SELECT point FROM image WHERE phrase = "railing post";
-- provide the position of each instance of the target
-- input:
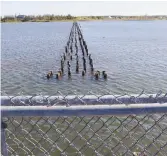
(3, 139)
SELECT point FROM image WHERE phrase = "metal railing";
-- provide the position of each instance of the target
(84, 124)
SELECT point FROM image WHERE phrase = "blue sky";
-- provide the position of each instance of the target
(84, 7)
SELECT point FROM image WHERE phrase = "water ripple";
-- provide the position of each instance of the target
(133, 54)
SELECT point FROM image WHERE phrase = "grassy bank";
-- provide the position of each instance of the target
(70, 18)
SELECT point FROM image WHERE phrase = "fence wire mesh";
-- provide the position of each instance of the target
(130, 135)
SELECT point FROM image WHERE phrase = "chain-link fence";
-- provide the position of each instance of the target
(84, 125)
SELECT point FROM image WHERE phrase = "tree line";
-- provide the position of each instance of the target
(48, 17)
(24, 18)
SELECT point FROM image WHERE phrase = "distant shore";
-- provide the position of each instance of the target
(82, 20)
(69, 18)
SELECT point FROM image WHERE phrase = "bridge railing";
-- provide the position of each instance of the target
(84, 124)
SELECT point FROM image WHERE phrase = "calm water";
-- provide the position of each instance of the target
(133, 53)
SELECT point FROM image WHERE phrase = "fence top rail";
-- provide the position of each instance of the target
(92, 110)
(82, 99)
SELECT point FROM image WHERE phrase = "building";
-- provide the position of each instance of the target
(20, 17)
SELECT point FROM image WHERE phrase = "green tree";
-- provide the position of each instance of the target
(69, 16)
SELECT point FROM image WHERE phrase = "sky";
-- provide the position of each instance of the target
(84, 8)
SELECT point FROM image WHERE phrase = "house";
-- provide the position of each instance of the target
(20, 17)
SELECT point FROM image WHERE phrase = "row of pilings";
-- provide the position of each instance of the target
(76, 52)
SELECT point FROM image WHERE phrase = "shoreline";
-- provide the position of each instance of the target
(83, 20)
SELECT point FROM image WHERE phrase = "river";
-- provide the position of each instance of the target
(133, 53)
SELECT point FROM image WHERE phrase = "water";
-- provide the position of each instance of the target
(133, 53)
